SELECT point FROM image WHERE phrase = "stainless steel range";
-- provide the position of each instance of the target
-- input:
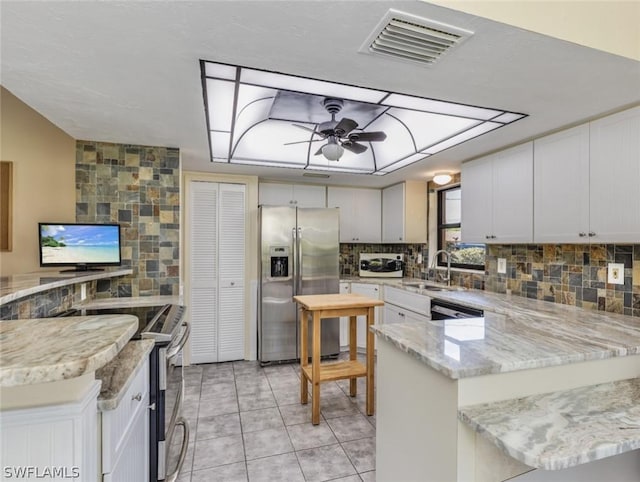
(166, 391)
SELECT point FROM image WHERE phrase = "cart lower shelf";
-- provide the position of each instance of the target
(337, 370)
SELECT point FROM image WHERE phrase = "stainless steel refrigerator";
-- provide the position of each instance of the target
(299, 251)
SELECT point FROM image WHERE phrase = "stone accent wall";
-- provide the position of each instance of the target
(138, 187)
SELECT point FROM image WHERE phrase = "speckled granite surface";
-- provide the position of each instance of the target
(130, 302)
(563, 429)
(117, 375)
(516, 333)
(51, 349)
(18, 286)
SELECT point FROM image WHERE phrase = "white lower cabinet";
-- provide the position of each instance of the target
(365, 289)
(60, 438)
(402, 306)
(125, 433)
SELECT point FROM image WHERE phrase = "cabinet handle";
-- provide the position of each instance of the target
(233, 283)
(137, 397)
(582, 235)
(487, 237)
(592, 234)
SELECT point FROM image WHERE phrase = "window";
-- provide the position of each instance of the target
(463, 255)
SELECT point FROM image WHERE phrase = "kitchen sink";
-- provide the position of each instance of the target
(432, 286)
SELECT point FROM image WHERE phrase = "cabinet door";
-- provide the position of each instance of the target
(342, 198)
(393, 314)
(393, 214)
(133, 463)
(231, 243)
(360, 213)
(561, 171)
(512, 201)
(367, 215)
(202, 233)
(275, 194)
(615, 178)
(306, 196)
(477, 214)
(345, 288)
(371, 291)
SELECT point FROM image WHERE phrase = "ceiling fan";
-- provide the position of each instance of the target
(339, 134)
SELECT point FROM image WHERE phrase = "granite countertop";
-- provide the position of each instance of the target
(563, 429)
(18, 286)
(117, 375)
(516, 333)
(129, 302)
(52, 349)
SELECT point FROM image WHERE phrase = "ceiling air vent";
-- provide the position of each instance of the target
(416, 39)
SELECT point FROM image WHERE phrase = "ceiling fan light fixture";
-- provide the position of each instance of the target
(332, 151)
(441, 178)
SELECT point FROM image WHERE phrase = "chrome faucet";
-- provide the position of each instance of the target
(434, 262)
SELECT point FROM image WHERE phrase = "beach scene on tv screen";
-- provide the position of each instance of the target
(79, 244)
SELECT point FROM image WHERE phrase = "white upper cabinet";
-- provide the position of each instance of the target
(404, 213)
(360, 213)
(561, 187)
(497, 197)
(615, 178)
(298, 195)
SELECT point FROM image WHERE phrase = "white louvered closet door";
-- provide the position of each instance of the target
(216, 237)
(203, 234)
(231, 276)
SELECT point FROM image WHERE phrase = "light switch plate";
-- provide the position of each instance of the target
(502, 265)
(615, 273)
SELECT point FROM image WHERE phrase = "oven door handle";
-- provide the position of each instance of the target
(173, 476)
(173, 350)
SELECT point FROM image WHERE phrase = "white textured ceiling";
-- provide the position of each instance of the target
(128, 72)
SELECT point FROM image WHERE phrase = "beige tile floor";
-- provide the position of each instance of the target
(247, 424)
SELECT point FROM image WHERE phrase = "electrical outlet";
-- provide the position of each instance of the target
(502, 266)
(615, 273)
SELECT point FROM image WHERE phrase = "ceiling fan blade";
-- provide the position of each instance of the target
(367, 136)
(354, 147)
(345, 126)
(318, 152)
(301, 142)
(308, 129)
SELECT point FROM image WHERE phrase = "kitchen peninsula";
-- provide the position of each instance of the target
(57, 374)
(431, 418)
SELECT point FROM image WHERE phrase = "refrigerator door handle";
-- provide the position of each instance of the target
(294, 268)
(299, 261)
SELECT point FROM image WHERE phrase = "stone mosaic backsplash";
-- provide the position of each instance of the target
(571, 274)
(138, 187)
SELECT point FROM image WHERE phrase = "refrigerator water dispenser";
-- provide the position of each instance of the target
(279, 261)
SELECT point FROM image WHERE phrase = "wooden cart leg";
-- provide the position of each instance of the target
(353, 352)
(304, 356)
(315, 370)
(370, 361)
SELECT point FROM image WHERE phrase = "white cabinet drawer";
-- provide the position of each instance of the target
(116, 423)
(411, 301)
(396, 314)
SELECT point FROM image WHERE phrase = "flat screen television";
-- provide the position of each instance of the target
(84, 247)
